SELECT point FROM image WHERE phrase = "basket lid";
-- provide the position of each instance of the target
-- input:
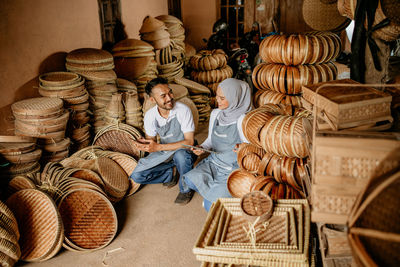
(39, 223)
(37, 106)
(132, 44)
(89, 56)
(321, 16)
(151, 24)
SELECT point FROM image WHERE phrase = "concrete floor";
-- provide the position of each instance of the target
(153, 231)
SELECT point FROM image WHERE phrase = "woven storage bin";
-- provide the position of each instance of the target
(373, 222)
(346, 103)
(89, 219)
(343, 165)
(239, 182)
(40, 223)
(209, 248)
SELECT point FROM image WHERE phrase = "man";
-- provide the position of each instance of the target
(173, 122)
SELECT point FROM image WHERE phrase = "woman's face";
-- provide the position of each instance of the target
(221, 100)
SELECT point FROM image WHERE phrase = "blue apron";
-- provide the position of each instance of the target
(211, 174)
(169, 133)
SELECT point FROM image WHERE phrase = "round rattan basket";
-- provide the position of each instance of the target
(239, 182)
(256, 205)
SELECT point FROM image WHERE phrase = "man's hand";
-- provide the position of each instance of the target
(147, 145)
(197, 152)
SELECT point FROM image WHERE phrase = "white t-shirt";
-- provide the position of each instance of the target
(207, 143)
(153, 120)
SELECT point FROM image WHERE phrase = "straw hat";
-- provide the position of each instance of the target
(321, 16)
(151, 24)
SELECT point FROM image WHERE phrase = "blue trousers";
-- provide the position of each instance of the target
(183, 160)
(206, 204)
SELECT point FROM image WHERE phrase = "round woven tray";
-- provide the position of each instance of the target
(249, 157)
(60, 78)
(119, 138)
(18, 183)
(239, 182)
(89, 219)
(322, 16)
(37, 106)
(25, 168)
(25, 157)
(16, 148)
(40, 224)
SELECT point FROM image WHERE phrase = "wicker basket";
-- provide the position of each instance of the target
(256, 205)
(239, 182)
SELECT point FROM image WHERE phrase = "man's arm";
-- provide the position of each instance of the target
(150, 145)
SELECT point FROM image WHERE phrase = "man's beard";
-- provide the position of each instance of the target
(166, 105)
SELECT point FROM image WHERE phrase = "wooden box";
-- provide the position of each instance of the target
(334, 246)
(343, 164)
(348, 106)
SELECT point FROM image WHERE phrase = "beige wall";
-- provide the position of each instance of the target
(134, 11)
(198, 18)
(35, 36)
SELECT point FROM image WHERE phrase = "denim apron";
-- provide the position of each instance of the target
(169, 133)
(211, 174)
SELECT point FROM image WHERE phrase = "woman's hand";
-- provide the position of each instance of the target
(147, 145)
(197, 152)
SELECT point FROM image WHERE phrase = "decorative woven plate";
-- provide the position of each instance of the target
(39, 223)
(239, 182)
(37, 106)
(89, 219)
(89, 56)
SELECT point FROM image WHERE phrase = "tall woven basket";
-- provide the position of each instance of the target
(374, 234)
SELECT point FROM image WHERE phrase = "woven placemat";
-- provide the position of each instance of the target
(39, 223)
(89, 219)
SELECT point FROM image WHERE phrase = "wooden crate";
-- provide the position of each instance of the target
(334, 247)
(343, 164)
(348, 106)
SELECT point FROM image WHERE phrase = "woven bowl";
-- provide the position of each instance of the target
(256, 205)
(239, 182)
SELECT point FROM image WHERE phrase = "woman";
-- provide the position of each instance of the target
(209, 177)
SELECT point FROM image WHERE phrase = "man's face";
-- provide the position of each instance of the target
(162, 95)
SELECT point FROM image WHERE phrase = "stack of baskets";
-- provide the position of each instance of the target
(155, 33)
(21, 153)
(200, 95)
(115, 111)
(177, 35)
(228, 238)
(292, 61)
(97, 67)
(133, 107)
(46, 119)
(134, 61)
(168, 65)
(181, 94)
(279, 139)
(210, 68)
(71, 89)
(10, 251)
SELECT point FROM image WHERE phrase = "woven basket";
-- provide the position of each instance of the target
(206, 60)
(249, 157)
(37, 106)
(60, 78)
(19, 183)
(239, 182)
(16, 148)
(256, 205)
(322, 16)
(373, 221)
(151, 24)
(89, 67)
(89, 219)
(40, 223)
(212, 76)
